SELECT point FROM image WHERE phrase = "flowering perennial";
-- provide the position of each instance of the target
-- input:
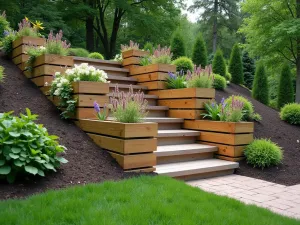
(55, 44)
(132, 45)
(161, 55)
(200, 77)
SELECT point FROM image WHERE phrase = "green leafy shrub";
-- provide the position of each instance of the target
(200, 52)
(200, 78)
(128, 107)
(236, 65)
(2, 75)
(4, 25)
(26, 147)
(260, 90)
(80, 52)
(174, 81)
(285, 90)
(177, 45)
(183, 64)
(249, 70)
(228, 76)
(248, 108)
(219, 82)
(145, 61)
(291, 113)
(219, 65)
(161, 56)
(96, 55)
(7, 42)
(149, 47)
(263, 153)
(25, 29)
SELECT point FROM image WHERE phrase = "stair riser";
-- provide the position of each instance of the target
(196, 176)
(98, 64)
(169, 126)
(176, 140)
(151, 101)
(116, 73)
(156, 113)
(183, 158)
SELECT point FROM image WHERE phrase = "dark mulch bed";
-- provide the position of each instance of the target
(284, 134)
(87, 162)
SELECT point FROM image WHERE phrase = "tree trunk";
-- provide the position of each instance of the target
(298, 57)
(90, 42)
(215, 26)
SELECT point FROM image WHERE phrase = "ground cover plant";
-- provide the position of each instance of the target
(291, 113)
(122, 201)
(26, 147)
(2, 74)
(61, 86)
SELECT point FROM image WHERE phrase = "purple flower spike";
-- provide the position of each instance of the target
(96, 107)
(172, 75)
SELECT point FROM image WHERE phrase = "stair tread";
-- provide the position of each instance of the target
(157, 107)
(164, 120)
(145, 96)
(113, 77)
(177, 133)
(76, 58)
(193, 167)
(186, 147)
(128, 85)
(107, 68)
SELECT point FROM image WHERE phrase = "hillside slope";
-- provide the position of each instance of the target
(87, 162)
(286, 135)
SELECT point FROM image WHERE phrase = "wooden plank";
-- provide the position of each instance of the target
(152, 68)
(116, 129)
(18, 51)
(134, 53)
(130, 67)
(135, 161)
(156, 76)
(88, 100)
(232, 159)
(89, 87)
(141, 170)
(131, 146)
(185, 114)
(206, 93)
(155, 85)
(45, 90)
(228, 139)
(40, 81)
(20, 59)
(54, 60)
(28, 40)
(183, 103)
(227, 150)
(131, 61)
(48, 70)
(22, 66)
(220, 126)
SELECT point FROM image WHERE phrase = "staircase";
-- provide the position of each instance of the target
(178, 153)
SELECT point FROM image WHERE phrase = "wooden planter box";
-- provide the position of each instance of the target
(87, 93)
(131, 58)
(152, 76)
(19, 48)
(231, 138)
(131, 144)
(56, 60)
(134, 53)
(187, 103)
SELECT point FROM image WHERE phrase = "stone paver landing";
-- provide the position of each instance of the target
(281, 199)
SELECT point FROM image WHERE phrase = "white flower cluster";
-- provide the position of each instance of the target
(85, 70)
(59, 82)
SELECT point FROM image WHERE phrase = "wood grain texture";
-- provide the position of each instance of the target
(131, 61)
(89, 87)
(183, 103)
(20, 59)
(156, 76)
(54, 60)
(191, 114)
(134, 53)
(228, 139)
(40, 81)
(205, 93)
(227, 150)
(152, 68)
(28, 40)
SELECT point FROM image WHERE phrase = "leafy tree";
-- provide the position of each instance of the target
(260, 89)
(219, 65)
(249, 69)
(273, 32)
(285, 90)
(177, 45)
(236, 66)
(200, 52)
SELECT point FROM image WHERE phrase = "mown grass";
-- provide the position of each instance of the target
(143, 200)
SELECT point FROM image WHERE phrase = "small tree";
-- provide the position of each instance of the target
(200, 52)
(236, 65)
(249, 70)
(219, 65)
(260, 89)
(177, 45)
(285, 89)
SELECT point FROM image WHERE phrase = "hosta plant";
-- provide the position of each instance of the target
(128, 107)
(175, 81)
(61, 86)
(200, 77)
(26, 148)
(131, 46)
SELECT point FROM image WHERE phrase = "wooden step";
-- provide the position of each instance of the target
(125, 87)
(113, 70)
(198, 168)
(151, 99)
(157, 111)
(166, 123)
(177, 137)
(97, 62)
(185, 152)
(121, 80)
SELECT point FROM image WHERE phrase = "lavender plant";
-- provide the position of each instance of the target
(128, 107)
(102, 114)
(55, 44)
(131, 46)
(200, 77)
(25, 29)
(175, 81)
(235, 113)
(161, 55)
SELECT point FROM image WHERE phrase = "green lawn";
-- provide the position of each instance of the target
(143, 200)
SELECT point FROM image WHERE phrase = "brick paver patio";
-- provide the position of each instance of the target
(284, 200)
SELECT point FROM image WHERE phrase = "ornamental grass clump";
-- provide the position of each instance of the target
(55, 45)
(161, 56)
(26, 147)
(131, 46)
(61, 86)
(200, 77)
(25, 29)
(128, 107)
(175, 81)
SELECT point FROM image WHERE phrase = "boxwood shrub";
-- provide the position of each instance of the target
(26, 148)
(96, 55)
(219, 82)
(291, 113)
(183, 64)
(80, 52)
